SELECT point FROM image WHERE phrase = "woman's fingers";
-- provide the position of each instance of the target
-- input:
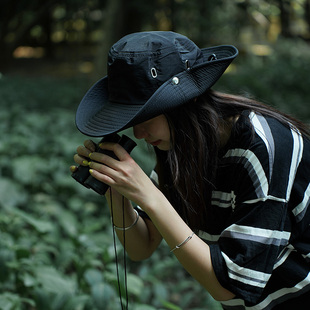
(118, 153)
(83, 151)
(112, 170)
(80, 160)
(105, 168)
(123, 174)
(73, 168)
(82, 156)
(90, 145)
(116, 148)
(101, 176)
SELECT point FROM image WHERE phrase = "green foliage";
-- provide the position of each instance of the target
(56, 245)
(279, 79)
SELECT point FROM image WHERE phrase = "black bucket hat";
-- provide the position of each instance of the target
(149, 73)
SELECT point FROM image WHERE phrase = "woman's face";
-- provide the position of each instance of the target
(155, 131)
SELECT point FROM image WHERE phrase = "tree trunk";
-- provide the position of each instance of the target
(285, 9)
(307, 17)
(23, 29)
(121, 18)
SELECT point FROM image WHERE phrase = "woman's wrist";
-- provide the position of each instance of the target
(125, 228)
(123, 217)
(153, 202)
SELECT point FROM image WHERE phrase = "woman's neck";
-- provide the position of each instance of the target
(226, 127)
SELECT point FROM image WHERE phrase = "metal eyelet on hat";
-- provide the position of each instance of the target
(187, 65)
(212, 57)
(154, 73)
(175, 80)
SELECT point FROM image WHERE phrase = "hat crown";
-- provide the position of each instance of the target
(156, 43)
(139, 63)
(149, 73)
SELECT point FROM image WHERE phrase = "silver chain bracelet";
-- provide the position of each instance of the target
(184, 242)
(132, 225)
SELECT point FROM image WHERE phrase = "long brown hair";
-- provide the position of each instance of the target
(187, 172)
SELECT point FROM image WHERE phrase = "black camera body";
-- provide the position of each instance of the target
(82, 174)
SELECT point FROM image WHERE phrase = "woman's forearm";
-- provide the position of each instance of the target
(142, 239)
(194, 255)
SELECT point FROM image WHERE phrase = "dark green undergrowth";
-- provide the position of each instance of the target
(56, 244)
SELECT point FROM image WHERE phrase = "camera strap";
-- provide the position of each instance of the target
(116, 256)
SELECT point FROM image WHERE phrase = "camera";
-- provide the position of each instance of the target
(82, 174)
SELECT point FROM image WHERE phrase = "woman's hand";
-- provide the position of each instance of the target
(82, 156)
(123, 175)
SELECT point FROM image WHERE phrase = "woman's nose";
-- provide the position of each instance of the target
(139, 132)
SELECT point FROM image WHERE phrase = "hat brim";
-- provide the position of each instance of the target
(96, 116)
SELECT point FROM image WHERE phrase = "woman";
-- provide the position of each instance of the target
(234, 175)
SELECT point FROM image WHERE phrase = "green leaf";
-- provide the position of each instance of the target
(135, 285)
(28, 280)
(60, 301)
(39, 225)
(102, 294)
(9, 301)
(144, 307)
(6, 256)
(42, 298)
(11, 193)
(53, 281)
(28, 169)
(161, 292)
(68, 222)
(93, 276)
(170, 306)
(5, 303)
(77, 303)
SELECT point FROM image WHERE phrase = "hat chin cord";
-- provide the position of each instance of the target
(124, 307)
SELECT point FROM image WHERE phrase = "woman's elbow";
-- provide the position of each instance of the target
(138, 257)
(223, 295)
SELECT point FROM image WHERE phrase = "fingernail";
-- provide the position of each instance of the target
(101, 145)
(91, 171)
(90, 154)
(85, 162)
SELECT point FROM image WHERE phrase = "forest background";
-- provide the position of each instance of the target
(56, 244)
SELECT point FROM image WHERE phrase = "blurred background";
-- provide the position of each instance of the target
(56, 245)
